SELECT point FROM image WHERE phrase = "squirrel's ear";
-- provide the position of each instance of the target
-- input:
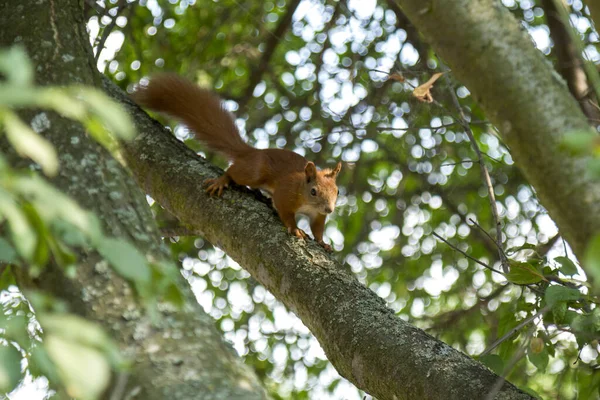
(311, 171)
(334, 172)
(337, 168)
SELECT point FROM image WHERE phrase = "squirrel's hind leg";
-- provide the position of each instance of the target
(216, 186)
(246, 170)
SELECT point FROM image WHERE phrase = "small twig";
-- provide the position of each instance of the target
(467, 255)
(488, 156)
(578, 356)
(514, 330)
(380, 71)
(97, 7)
(108, 29)
(543, 249)
(501, 380)
(486, 177)
(458, 163)
(485, 232)
(556, 279)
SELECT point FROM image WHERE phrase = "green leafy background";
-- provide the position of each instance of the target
(409, 171)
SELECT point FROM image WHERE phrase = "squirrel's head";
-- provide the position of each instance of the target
(321, 191)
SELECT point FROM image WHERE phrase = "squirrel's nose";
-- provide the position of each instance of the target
(328, 210)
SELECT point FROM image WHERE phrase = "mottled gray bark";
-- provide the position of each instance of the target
(524, 97)
(183, 357)
(363, 339)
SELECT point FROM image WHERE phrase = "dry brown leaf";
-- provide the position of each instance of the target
(423, 92)
(397, 77)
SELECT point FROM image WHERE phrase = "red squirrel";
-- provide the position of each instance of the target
(294, 183)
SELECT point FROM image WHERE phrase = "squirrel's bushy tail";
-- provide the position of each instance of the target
(199, 109)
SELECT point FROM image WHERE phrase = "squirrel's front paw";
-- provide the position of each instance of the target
(299, 233)
(325, 246)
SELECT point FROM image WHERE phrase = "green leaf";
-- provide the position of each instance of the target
(109, 112)
(30, 144)
(493, 362)
(540, 360)
(125, 259)
(593, 168)
(585, 327)
(526, 246)
(62, 102)
(51, 203)
(567, 267)
(83, 370)
(531, 392)
(40, 364)
(7, 253)
(557, 293)
(591, 259)
(581, 142)
(15, 66)
(559, 310)
(42, 251)
(10, 368)
(7, 278)
(15, 329)
(14, 96)
(101, 135)
(74, 328)
(523, 274)
(24, 237)
(69, 234)
(62, 254)
(174, 296)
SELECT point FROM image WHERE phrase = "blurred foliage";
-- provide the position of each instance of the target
(337, 84)
(40, 225)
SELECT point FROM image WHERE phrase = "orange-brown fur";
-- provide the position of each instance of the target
(287, 176)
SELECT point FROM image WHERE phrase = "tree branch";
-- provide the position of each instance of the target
(514, 330)
(470, 257)
(108, 29)
(364, 340)
(568, 59)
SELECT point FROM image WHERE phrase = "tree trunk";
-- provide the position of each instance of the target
(522, 95)
(183, 357)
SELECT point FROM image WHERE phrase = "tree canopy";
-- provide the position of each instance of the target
(467, 219)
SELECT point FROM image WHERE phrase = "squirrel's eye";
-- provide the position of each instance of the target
(313, 191)
(338, 192)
